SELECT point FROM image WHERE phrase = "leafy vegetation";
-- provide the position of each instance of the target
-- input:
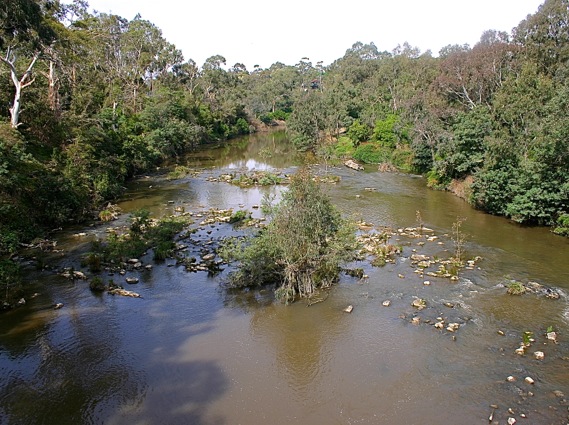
(516, 288)
(302, 248)
(90, 99)
(143, 234)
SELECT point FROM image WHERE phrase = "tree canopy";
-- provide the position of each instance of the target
(89, 99)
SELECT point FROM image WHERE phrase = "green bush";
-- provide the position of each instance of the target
(301, 249)
(359, 132)
(344, 148)
(385, 132)
(372, 153)
(239, 215)
(562, 227)
(403, 158)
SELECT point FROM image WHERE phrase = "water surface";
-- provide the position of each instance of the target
(191, 352)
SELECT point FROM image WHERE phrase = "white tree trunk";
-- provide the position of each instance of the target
(19, 83)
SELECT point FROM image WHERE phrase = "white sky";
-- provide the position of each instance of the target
(264, 32)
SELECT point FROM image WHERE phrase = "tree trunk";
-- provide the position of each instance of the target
(19, 84)
(53, 89)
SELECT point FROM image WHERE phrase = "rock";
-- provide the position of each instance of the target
(511, 379)
(419, 257)
(501, 333)
(558, 394)
(440, 325)
(349, 309)
(400, 276)
(133, 261)
(124, 293)
(208, 257)
(57, 306)
(552, 336)
(131, 280)
(353, 165)
(386, 303)
(22, 301)
(453, 327)
(511, 421)
(419, 303)
(539, 355)
(449, 305)
(529, 380)
(148, 267)
(416, 320)
(521, 351)
(426, 283)
(79, 275)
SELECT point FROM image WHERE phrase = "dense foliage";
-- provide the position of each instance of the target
(302, 248)
(89, 99)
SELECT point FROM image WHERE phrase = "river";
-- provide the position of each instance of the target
(191, 352)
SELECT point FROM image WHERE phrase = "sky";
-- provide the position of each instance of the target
(259, 32)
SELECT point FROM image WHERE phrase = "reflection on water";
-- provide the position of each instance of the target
(192, 352)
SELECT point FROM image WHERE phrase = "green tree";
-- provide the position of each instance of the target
(303, 246)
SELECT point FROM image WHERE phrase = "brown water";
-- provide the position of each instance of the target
(190, 352)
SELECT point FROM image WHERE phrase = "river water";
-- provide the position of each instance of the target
(191, 352)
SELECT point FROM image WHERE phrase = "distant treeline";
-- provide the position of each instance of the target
(87, 100)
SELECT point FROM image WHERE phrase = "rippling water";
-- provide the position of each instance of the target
(190, 352)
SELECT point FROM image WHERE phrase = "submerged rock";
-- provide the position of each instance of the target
(349, 309)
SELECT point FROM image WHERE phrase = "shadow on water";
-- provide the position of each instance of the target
(105, 359)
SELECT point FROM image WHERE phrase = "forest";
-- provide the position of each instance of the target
(88, 100)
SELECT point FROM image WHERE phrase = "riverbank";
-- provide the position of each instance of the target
(189, 349)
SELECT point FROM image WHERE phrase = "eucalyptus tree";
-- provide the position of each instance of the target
(471, 76)
(25, 33)
(544, 36)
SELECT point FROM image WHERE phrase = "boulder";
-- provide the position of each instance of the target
(419, 303)
(353, 165)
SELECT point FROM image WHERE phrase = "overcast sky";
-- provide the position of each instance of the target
(263, 32)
